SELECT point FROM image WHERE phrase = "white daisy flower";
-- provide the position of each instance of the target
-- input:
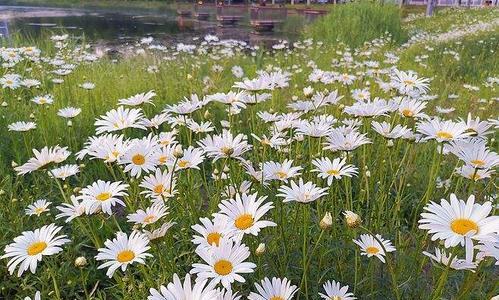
(123, 251)
(277, 289)
(71, 211)
(177, 290)
(301, 192)
(456, 220)
(334, 291)
(333, 170)
(38, 207)
(29, 248)
(102, 195)
(224, 263)
(371, 247)
(244, 213)
(210, 233)
(149, 215)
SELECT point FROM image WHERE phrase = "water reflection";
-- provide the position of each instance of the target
(116, 26)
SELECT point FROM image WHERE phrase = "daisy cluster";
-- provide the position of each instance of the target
(262, 170)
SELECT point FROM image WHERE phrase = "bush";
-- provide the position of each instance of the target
(359, 22)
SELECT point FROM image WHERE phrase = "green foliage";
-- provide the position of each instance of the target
(358, 22)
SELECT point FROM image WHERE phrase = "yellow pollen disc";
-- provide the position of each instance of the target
(281, 174)
(372, 250)
(43, 101)
(162, 159)
(103, 196)
(276, 298)
(115, 153)
(227, 150)
(463, 226)
(36, 248)
(125, 256)
(159, 189)
(39, 210)
(333, 172)
(475, 177)
(213, 238)
(478, 162)
(12, 54)
(407, 113)
(244, 221)
(138, 159)
(149, 219)
(183, 163)
(409, 82)
(335, 298)
(223, 267)
(444, 135)
(9, 82)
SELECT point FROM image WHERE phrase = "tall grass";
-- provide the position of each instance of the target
(357, 23)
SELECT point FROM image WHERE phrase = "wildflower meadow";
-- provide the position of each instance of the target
(352, 163)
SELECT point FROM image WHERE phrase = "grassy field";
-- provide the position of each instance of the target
(395, 179)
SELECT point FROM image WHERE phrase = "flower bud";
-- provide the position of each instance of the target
(13, 164)
(260, 250)
(5, 104)
(389, 144)
(80, 261)
(326, 222)
(178, 152)
(353, 220)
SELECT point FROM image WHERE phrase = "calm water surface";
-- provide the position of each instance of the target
(119, 26)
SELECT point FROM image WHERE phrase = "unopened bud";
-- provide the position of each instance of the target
(13, 164)
(5, 104)
(178, 152)
(80, 262)
(207, 114)
(389, 144)
(260, 250)
(70, 123)
(326, 222)
(353, 220)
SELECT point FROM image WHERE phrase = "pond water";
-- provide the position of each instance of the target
(119, 26)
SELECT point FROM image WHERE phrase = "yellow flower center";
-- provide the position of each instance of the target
(444, 135)
(39, 210)
(408, 82)
(138, 159)
(183, 163)
(478, 162)
(223, 267)
(162, 159)
(372, 250)
(159, 189)
(149, 219)
(276, 298)
(9, 82)
(227, 150)
(407, 113)
(333, 172)
(281, 174)
(36, 248)
(43, 101)
(125, 256)
(335, 298)
(213, 238)
(103, 196)
(463, 226)
(244, 221)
